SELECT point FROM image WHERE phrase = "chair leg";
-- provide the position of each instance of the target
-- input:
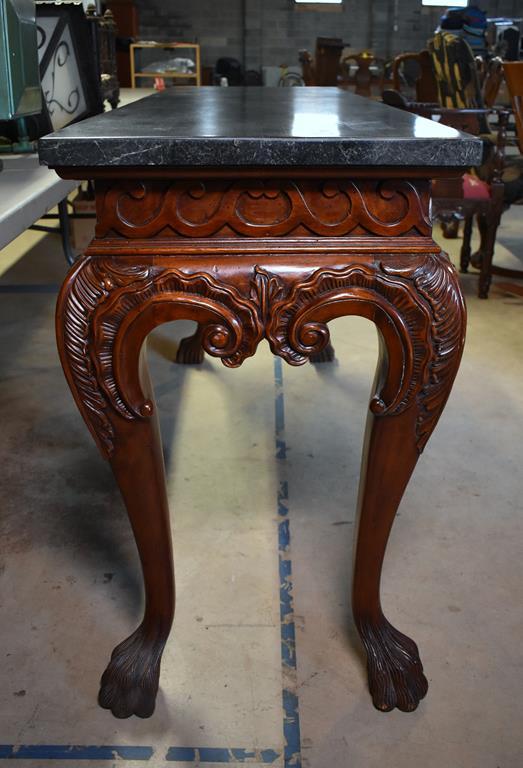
(464, 260)
(450, 227)
(476, 258)
(490, 225)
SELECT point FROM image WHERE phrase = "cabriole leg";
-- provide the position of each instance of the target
(105, 311)
(416, 304)
(87, 326)
(395, 672)
(130, 683)
(393, 441)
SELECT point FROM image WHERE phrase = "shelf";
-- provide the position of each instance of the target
(165, 45)
(165, 74)
(168, 74)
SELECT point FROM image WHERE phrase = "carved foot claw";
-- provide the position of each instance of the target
(395, 671)
(327, 355)
(130, 683)
(190, 350)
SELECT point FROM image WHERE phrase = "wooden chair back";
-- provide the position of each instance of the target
(491, 75)
(425, 84)
(456, 72)
(514, 78)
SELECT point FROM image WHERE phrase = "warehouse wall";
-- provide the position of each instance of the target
(275, 30)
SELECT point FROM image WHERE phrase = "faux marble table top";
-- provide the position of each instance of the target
(216, 127)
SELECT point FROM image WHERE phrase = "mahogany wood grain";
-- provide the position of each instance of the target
(249, 258)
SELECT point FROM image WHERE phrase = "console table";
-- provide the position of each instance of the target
(260, 214)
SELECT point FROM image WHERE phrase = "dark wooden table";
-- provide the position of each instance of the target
(260, 213)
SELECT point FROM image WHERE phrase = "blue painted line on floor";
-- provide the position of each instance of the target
(181, 754)
(291, 714)
(174, 754)
(65, 752)
(35, 288)
(219, 755)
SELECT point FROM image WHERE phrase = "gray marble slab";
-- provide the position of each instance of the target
(213, 127)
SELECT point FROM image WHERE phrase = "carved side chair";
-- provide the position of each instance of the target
(461, 100)
(448, 75)
(512, 170)
(468, 82)
(477, 193)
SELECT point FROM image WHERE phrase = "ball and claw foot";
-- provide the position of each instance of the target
(327, 355)
(190, 350)
(130, 683)
(394, 668)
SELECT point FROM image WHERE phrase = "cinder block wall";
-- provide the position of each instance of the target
(275, 30)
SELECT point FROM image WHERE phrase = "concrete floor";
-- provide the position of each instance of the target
(246, 449)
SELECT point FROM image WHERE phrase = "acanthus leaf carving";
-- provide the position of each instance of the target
(80, 296)
(266, 289)
(418, 296)
(436, 280)
(414, 301)
(298, 327)
(106, 300)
